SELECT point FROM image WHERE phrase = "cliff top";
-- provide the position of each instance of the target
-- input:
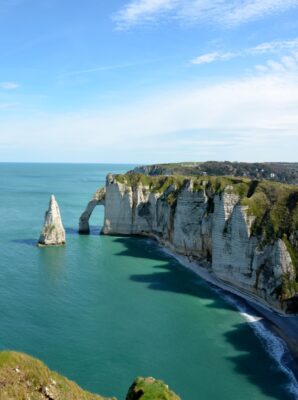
(275, 171)
(150, 389)
(24, 377)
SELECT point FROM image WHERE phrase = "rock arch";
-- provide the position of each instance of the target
(98, 199)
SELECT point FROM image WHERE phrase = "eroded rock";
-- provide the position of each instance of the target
(53, 233)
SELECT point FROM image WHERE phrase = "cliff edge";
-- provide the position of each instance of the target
(24, 377)
(243, 231)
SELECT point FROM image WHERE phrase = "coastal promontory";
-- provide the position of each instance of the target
(244, 232)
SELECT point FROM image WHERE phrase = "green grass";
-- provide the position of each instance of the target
(150, 389)
(24, 377)
(161, 183)
(275, 209)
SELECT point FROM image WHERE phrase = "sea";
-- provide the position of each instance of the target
(104, 310)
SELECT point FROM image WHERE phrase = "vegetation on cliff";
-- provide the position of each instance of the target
(275, 208)
(160, 183)
(273, 205)
(276, 171)
(150, 389)
(25, 378)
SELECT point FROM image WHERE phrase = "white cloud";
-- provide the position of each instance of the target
(227, 12)
(211, 57)
(8, 85)
(139, 10)
(263, 48)
(286, 65)
(97, 69)
(274, 46)
(248, 114)
(252, 9)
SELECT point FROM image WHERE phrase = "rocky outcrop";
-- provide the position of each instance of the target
(53, 233)
(98, 199)
(150, 388)
(212, 222)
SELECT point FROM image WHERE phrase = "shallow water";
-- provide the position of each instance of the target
(104, 310)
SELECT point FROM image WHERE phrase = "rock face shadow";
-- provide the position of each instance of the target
(267, 376)
(71, 231)
(27, 242)
(94, 231)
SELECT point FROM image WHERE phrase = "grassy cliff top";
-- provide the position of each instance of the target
(244, 187)
(160, 183)
(25, 378)
(276, 171)
(150, 389)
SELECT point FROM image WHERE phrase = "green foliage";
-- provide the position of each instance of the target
(276, 214)
(160, 183)
(23, 377)
(156, 184)
(133, 180)
(280, 172)
(150, 389)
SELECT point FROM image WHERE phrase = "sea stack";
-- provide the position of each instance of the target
(53, 233)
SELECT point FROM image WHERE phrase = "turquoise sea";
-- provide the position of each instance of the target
(104, 310)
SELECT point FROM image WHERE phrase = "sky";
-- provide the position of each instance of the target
(148, 81)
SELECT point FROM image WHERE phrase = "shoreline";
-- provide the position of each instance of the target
(283, 326)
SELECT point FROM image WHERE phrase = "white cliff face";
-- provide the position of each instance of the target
(213, 229)
(232, 246)
(53, 233)
(192, 224)
(98, 199)
(118, 214)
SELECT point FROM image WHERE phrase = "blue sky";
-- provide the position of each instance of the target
(142, 81)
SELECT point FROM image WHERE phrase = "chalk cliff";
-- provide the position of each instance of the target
(53, 233)
(98, 199)
(245, 232)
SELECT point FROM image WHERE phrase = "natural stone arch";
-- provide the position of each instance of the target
(98, 199)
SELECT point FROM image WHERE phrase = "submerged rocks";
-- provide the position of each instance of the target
(53, 233)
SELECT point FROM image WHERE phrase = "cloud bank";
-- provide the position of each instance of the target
(226, 12)
(242, 116)
(273, 47)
